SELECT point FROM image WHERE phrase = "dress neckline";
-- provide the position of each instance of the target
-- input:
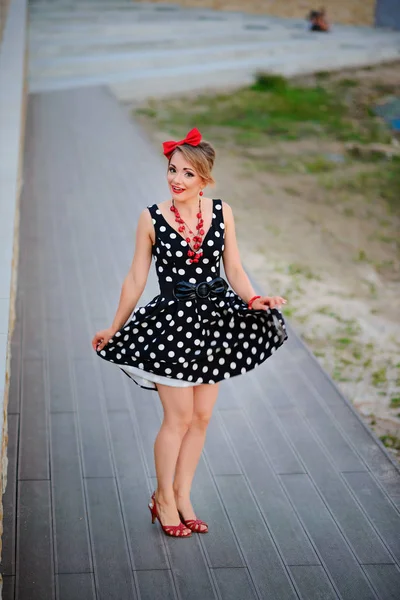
(181, 236)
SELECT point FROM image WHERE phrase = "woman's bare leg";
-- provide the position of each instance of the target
(178, 412)
(205, 396)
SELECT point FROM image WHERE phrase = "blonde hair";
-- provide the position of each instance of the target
(201, 157)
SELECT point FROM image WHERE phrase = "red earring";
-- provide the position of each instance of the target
(200, 193)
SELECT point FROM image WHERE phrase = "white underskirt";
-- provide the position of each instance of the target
(148, 380)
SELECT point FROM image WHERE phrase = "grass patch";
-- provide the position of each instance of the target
(395, 402)
(379, 377)
(296, 269)
(272, 106)
(378, 182)
(390, 441)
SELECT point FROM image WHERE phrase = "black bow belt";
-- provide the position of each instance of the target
(184, 290)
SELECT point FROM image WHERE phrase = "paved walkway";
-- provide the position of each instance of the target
(303, 502)
(143, 49)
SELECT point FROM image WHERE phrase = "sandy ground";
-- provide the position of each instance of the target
(334, 255)
(356, 12)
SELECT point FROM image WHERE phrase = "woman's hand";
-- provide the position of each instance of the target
(268, 301)
(102, 338)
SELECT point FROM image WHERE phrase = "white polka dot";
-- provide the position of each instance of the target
(168, 278)
(194, 366)
(206, 261)
(199, 270)
(222, 225)
(141, 339)
(180, 344)
(221, 361)
(248, 360)
(161, 347)
(189, 334)
(205, 369)
(210, 243)
(218, 206)
(179, 375)
(215, 372)
(183, 243)
(172, 236)
(204, 307)
(171, 353)
(192, 280)
(168, 370)
(227, 375)
(170, 338)
(179, 253)
(233, 365)
(217, 233)
(181, 271)
(118, 333)
(180, 313)
(188, 303)
(199, 380)
(243, 325)
(162, 228)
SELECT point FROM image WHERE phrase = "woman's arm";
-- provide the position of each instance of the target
(234, 271)
(135, 281)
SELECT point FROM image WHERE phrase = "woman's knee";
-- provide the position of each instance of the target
(201, 419)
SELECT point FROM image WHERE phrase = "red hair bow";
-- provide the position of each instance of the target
(193, 138)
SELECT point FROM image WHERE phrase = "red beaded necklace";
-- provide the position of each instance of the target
(196, 253)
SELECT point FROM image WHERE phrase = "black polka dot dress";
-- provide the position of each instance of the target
(196, 330)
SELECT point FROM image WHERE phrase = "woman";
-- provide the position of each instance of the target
(197, 331)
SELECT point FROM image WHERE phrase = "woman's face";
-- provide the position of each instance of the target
(183, 181)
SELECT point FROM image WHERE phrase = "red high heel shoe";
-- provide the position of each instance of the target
(172, 530)
(194, 524)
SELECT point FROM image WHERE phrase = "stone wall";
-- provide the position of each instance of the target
(13, 98)
(354, 12)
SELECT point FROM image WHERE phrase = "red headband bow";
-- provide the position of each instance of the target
(193, 138)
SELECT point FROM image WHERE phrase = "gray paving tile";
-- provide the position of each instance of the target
(190, 570)
(334, 551)
(33, 452)
(220, 544)
(14, 396)
(91, 422)
(385, 580)
(265, 565)
(33, 330)
(8, 591)
(114, 580)
(114, 388)
(10, 500)
(234, 583)
(305, 399)
(266, 426)
(227, 399)
(219, 454)
(313, 583)
(35, 568)
(146, 412)
(71, 530)
(156, 585)
(59, 367)
(135, 494)
(76, 585)
(282, 521)
(356, 431)
(379, 509)
(365, 542)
